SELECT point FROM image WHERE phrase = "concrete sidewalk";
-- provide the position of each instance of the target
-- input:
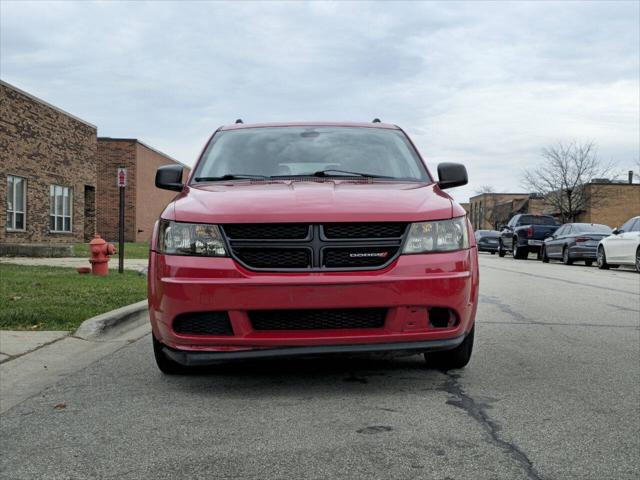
(74, 262)
(33, 361)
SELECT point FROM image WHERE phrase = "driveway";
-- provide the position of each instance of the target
(552, 392)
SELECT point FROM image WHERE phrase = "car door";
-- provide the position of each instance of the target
(507, 232)
(618, 243)
(629, 243)
(552, 247)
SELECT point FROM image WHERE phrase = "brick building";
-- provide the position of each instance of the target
(143, 201)
(611, 203)
(482, 208)
(48, 169)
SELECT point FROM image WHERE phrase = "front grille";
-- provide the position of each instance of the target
(328, 319)
(364, 230)
(203, 323)
(357, 257)
(267, 231)
(275, 257)
(315, 247)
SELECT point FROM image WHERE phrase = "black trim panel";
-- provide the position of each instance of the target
(200, 358)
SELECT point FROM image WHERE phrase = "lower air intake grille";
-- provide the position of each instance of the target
(318, 319)
(203, 323)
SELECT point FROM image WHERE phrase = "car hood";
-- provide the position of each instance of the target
(326, 200)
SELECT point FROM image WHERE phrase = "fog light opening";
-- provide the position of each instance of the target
(440, 317)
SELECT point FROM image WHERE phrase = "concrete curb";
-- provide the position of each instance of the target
(97, 326)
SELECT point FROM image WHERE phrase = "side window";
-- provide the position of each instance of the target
(636, 226)
(60, 208)
(561, 231)
(568, 230)
(513, 222)
(16, 202)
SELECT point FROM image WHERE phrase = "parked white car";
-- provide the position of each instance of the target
(622, 247)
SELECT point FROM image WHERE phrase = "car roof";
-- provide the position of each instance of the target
(241, 126)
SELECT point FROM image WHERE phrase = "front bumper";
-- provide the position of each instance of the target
(406, 288)
(487, 247)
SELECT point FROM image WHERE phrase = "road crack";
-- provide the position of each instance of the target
(478, 411)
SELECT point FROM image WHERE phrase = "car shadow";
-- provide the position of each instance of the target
(331, 374)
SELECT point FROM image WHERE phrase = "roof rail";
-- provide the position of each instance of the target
(376, 120)
(239, 120)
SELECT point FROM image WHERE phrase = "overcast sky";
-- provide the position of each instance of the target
(486, 84)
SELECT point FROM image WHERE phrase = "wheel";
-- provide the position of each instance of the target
(545, 258)
(638, 259)
(501, 252)
(519, 252)
(165, 364)
(588, 263)
(539, 254)
(493, 253)
(451, 359)
(601, 258)
(565, 256)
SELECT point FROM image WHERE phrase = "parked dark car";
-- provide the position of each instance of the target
(487, 240)
(525, 233)
(575, 241)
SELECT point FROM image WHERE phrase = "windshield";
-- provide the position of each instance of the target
(303, 151)
(591, 228)
(536, 220)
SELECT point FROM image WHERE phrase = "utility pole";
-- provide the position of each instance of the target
(122, 184)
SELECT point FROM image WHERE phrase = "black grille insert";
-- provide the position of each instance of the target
(316, 247)
(274, 257)
(325, 319)
(203, 323)
(364, 230)
(267, 231)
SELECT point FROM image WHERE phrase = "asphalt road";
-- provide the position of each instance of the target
(552, 392)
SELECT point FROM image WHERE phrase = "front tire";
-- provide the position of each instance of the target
(452, 359)
(638, 259)
(545, 257)
(588, 263)
(565, 257)
(165, 364)
(601, 258)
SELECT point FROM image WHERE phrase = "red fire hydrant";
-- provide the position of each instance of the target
(100, 253)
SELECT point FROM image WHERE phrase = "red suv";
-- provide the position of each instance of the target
(311, 238)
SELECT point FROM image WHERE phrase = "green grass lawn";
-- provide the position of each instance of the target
(54, 298)
(131, 250)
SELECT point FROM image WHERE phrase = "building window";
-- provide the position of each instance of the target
(16, 202)
(60, 208)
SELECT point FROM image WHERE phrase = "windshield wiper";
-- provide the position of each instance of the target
(231, 176)
(345, 173)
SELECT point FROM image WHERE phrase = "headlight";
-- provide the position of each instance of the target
(440, 236)
(176, 238)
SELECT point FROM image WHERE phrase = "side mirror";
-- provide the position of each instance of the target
(169, 177)
(451, 175)
(617, 231)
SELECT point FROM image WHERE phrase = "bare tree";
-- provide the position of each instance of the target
(485, 189)
(563, 175)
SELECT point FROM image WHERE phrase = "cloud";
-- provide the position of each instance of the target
(485, 83)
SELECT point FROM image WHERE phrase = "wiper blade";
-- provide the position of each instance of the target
(345, 173)
(231, 176)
